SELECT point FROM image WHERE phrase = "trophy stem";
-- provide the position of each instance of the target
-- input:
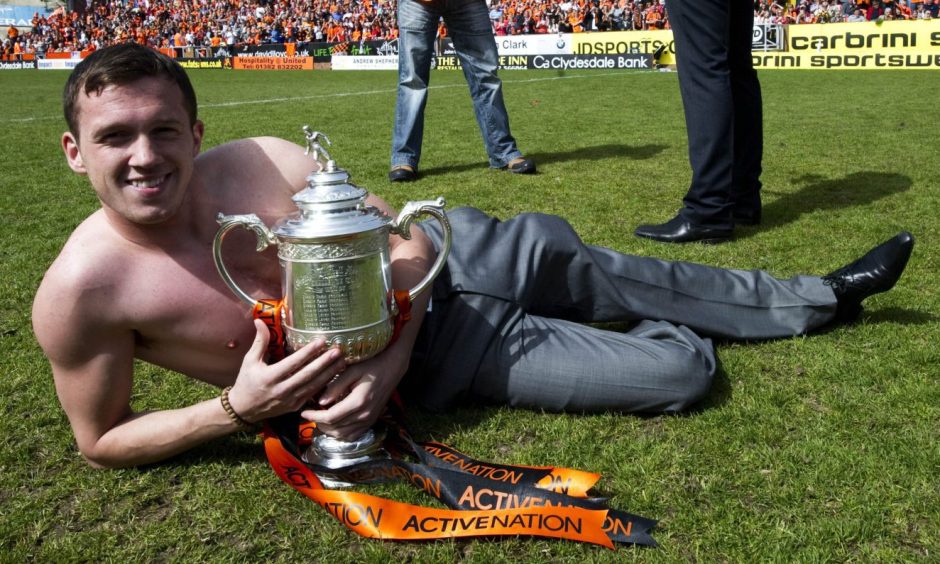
(335, 454)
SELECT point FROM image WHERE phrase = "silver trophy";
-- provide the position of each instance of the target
(336, 277)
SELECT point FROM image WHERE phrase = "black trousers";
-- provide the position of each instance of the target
(722, 101)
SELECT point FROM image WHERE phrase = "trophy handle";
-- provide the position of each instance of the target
(402, 227)
(229, 222)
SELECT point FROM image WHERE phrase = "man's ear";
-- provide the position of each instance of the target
(72, 155)
(199, 130)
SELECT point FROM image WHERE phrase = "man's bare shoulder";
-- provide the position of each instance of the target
(257, 157)
(75, 292)
(248, 147)
(87, 258)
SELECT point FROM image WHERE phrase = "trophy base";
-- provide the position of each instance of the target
(335, 454)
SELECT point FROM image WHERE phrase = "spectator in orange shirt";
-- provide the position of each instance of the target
(575, 20)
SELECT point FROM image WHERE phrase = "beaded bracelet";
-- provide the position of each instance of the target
(236, 418)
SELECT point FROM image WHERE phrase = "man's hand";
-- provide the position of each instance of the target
(264, 390)
(353, 402)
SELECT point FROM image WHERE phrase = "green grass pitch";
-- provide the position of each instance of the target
(814, 448)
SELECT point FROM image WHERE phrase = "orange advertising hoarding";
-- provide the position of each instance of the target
(273, 63)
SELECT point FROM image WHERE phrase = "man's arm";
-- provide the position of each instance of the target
(92, 360)
(355, 400)
(92, 363)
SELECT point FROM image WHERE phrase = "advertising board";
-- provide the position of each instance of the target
(57, 64)
(375, 62)
(561, 62)
(626, 42)
(862, 45)
(557, 44)
(272, 63)
(211, 63)
(17, 65)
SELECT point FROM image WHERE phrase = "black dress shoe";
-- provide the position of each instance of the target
(402, 173)
(678, 230)
(875, 272)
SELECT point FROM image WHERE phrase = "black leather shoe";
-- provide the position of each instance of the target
(875, 272)
(678, 230)
(402, 173)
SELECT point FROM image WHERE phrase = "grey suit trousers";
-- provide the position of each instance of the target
(507, 323)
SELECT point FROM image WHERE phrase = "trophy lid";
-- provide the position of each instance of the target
(330, 205)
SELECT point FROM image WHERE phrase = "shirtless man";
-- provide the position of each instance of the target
(137, 280)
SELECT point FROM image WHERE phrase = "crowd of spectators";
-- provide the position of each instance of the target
(219, 25)
(519, 17)
(831, 11)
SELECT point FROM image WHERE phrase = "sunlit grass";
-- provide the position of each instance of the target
(815, 448)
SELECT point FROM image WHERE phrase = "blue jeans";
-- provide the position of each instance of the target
(469, 26)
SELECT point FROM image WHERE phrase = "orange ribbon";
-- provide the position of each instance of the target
(376, 517)
(485, 499)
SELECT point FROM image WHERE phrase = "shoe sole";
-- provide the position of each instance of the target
(705, 241)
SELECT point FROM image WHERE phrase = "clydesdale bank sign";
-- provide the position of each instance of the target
(637, 61)
(546, 52)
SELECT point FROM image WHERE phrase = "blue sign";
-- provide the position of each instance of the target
(20, 16)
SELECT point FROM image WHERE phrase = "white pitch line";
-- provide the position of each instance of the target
(357, 93)
(393, 90)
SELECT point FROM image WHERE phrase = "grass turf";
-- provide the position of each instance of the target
(814, 448)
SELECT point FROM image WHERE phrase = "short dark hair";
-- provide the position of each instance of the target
(122, 64)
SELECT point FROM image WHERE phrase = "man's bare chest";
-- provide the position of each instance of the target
(186, 319)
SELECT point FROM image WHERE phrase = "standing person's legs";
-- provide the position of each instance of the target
(701, 29)
(748, 119)
(469, 25)
(417, 23)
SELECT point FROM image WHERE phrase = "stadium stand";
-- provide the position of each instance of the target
(219, 25)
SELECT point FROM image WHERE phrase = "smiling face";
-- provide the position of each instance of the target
(137, 147)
